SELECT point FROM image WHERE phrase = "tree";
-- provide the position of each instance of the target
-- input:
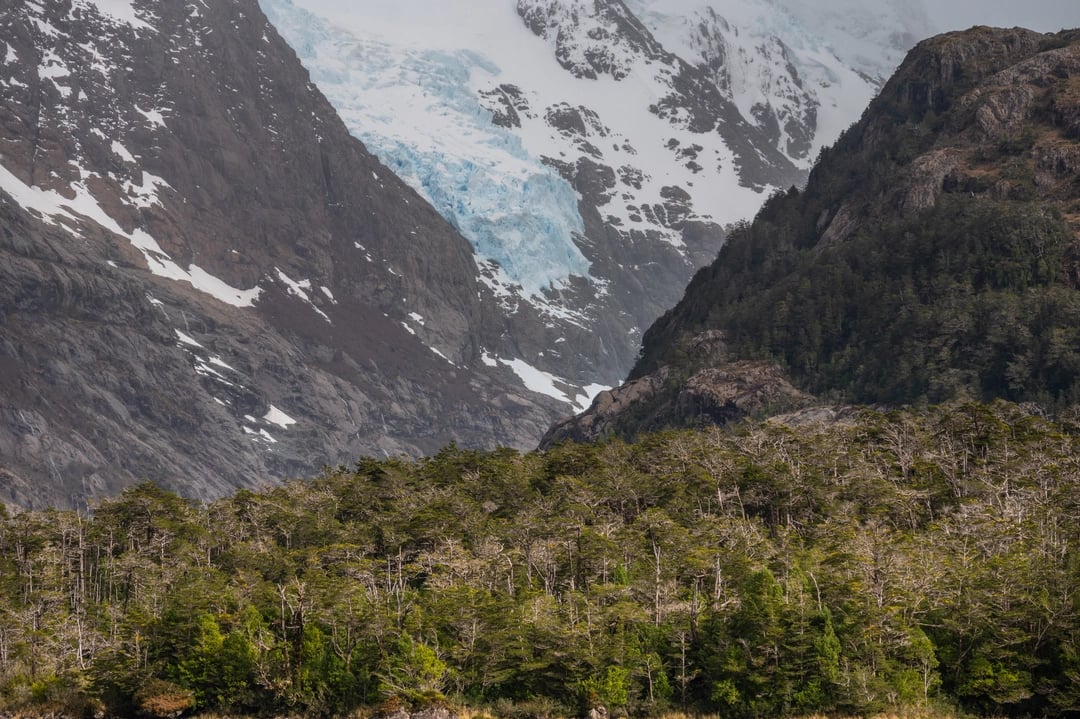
(412, 670)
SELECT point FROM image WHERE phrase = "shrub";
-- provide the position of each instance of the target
(160, 699)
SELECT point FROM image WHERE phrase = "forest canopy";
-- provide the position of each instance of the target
(912, 559)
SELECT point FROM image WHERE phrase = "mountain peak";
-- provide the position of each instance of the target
(591, 37)
(575, 143)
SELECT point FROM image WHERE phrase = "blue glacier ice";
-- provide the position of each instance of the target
(416, 110)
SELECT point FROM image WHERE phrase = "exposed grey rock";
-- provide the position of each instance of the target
(506, 102)
(111, 374)
(720, 395)
(925, 179)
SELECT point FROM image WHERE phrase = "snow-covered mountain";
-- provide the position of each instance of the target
(592, 151)
(838, 290)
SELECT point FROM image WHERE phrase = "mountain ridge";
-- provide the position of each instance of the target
(208, 280)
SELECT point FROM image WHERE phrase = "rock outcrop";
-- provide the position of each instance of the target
(727, 392)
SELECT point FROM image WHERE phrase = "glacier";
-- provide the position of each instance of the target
(567, 140)
(407, 77)
(418, 111)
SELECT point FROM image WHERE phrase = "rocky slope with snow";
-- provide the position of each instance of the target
(206, 281)
(206, 278)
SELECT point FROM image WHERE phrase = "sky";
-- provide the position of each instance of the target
(1042, 15)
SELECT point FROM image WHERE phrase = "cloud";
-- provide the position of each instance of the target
(1041, 15)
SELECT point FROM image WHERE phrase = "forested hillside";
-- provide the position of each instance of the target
(934, 251)
(934, 254)
(917, 559)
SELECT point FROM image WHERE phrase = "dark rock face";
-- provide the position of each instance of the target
(609, 47)
(723, 392)
(982, 117)
(505, 102)
(205, 280)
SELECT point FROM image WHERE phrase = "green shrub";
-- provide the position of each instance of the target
(161, 699)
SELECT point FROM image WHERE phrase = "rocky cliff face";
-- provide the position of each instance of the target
(920, 262)
(204, 279)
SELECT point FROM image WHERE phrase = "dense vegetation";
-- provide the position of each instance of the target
(965, 299)
(887, 280)
(912, 559)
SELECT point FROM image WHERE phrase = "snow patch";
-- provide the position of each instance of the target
(440, 354)
(184, 339)
(276, 416)
(589, 393)
(154, 117)
(122, 151)
(259, 434)
(207, 371)
(536, 380)
(545, 383)
(217, 362)
(57, 210)
(300, 289)
(145, 194)
(203, 281)
(52, 66)
(122, 10)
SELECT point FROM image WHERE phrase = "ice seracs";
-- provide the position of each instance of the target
(418, 109)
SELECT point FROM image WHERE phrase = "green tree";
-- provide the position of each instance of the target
(413, 669)
(610, 688)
